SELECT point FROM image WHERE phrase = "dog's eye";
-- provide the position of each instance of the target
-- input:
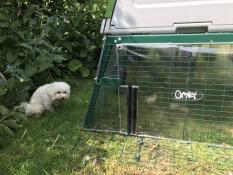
(58, 92)
(64, 92)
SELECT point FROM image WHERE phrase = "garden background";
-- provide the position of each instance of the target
(42, 41)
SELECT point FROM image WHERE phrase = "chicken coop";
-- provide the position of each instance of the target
(166, 71)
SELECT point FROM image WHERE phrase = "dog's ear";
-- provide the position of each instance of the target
(68, 90)
(50, 91)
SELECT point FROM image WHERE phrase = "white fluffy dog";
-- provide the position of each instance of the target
(44, 96)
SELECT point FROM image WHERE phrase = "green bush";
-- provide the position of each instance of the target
(10, 121)
(43, 40)
(62, 36)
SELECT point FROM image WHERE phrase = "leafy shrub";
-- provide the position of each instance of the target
(59, 36)
(10, 121)
(45, 40)
(74, 27)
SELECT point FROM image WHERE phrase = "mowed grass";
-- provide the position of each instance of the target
(55, 144)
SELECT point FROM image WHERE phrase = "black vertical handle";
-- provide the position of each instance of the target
(134, 108)
(129, 117)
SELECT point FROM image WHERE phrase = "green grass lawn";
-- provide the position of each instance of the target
(55, 145)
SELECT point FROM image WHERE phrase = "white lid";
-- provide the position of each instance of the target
(165, 16)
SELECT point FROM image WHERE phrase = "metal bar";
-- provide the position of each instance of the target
(140, 135)
(134, 108)
(129, 117)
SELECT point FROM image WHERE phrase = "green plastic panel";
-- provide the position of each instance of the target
(107, 81)
(171, 38)
(110, 8)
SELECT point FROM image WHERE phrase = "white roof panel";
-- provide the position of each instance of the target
(165, 16)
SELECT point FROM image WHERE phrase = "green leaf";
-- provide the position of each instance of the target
(58, 58)
(25, 19)
(22, 54)
(11, 57)
(85, 72)
(91, 48)
(2, 77)
(2, 39)
(4, 16)
(25, 45)
(43, 42)
(3, 110)
(6, 130)
(3, 90)
(68, 46)
(30, 70)
(83, 54)
(20, 34)
(43, 63)
(18, 116)
(74, 65)
(10, 123)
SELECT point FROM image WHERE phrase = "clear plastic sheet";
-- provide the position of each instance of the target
(185, 91)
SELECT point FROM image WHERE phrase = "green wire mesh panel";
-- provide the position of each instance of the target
(105, 110)
(185, 89)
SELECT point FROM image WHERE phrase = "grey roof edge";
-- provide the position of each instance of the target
(107, 28)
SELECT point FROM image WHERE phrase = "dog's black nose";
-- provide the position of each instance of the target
(62, 98)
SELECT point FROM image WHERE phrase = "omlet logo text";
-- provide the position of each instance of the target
(187, 95)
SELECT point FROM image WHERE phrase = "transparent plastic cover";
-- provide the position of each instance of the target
(185, 91)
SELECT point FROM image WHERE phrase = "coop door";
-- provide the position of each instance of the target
(184, 91)
(108, 107)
